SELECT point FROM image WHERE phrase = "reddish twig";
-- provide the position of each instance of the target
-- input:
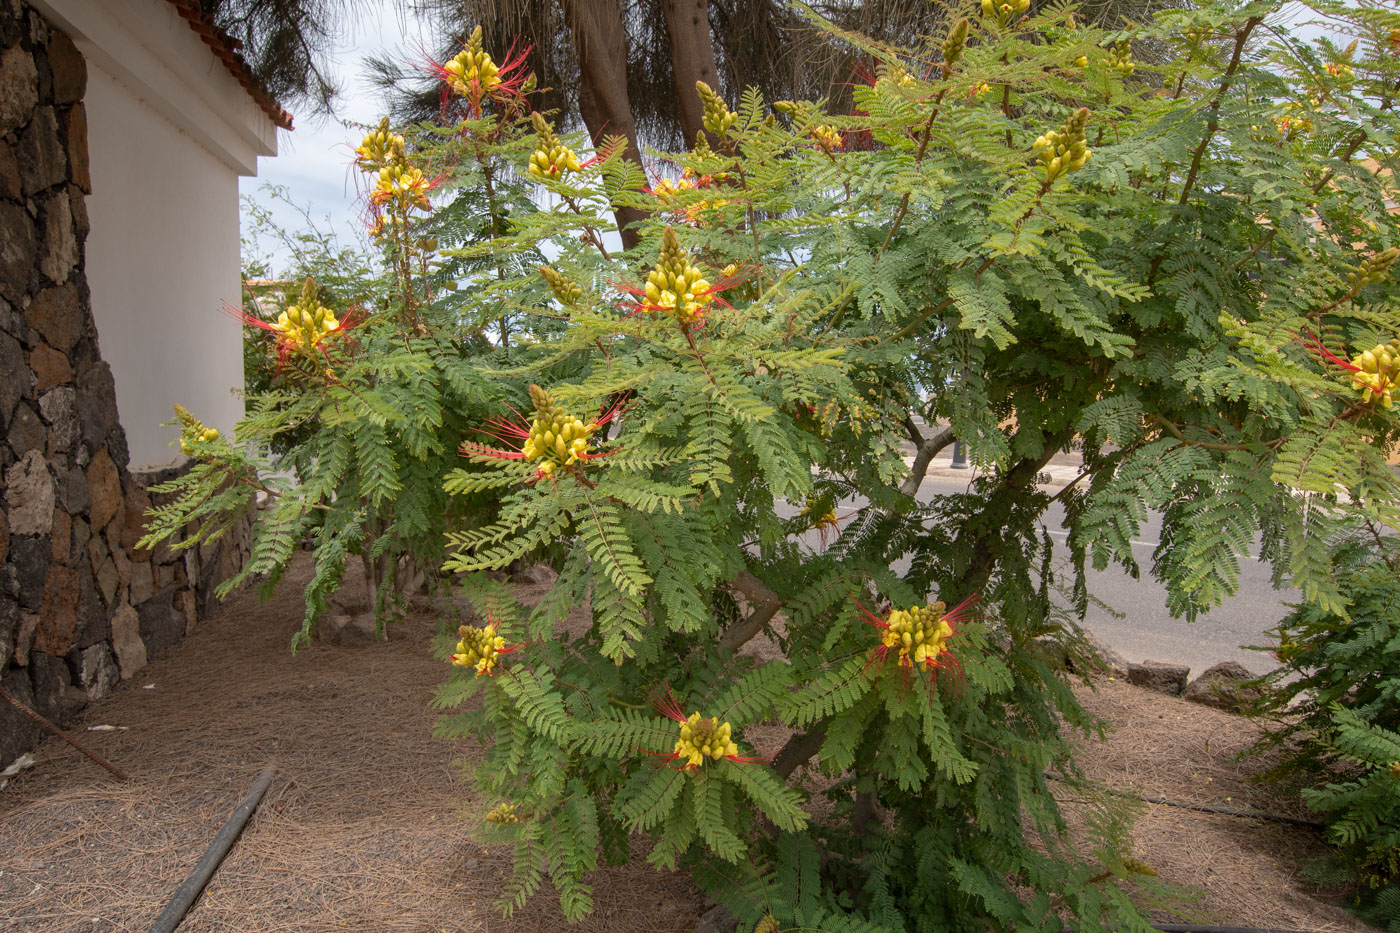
(50, 727)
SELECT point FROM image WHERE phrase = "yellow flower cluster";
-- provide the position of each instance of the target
(1003, 13)
(404, 184)
(894, 75)
(397, 182)
(1064, 151)
(380, 146)
(552, 158)
(503, 813)
(567, 292)
(704, 738)
(676, 287)
(718, 118)
(955, 42)
(1120, 58)
(479, 648)
(665, 189)
(303, 326)
(1294, 123)
(192, 431)
(1375, 375)
(919, 634)
(557, 439)
(827, 137)
(472, 65)
(1196, 35)
(553, 162)
(1374, 270)
(820, 522)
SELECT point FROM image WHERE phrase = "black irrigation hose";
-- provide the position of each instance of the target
(1203, 808)
(1196, 928)
(186, 893)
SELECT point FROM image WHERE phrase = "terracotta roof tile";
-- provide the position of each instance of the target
(226, 49)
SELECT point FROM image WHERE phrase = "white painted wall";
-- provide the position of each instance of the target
(169, 133)
(162, 258)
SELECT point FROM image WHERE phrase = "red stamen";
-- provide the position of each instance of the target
(963, 610)
(667, 705)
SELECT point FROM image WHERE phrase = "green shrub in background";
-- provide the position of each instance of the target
(1025, 237)
(1335, 705)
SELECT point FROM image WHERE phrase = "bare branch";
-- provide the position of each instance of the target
(765, 604)
(927, 451)
(799, 750)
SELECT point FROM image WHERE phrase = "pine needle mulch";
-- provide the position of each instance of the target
(367, 826)
(1246, 871)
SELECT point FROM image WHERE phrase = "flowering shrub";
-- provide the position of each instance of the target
(1024, 236)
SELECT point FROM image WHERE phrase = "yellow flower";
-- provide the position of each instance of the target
(193, 433)
(404, 184)
(918, 635)
(665, 189)
(554, 162)
(472, 70)
(380, 146)
(675, 287)
(303, 326)
(503, 813)
(1065, 150)
(702, 739)
(481, 649)
(827, 137)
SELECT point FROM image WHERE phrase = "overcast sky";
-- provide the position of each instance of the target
(313, 161)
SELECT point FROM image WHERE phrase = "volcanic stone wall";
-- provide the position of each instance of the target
(81, 607)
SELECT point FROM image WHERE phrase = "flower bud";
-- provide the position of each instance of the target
(955, 43)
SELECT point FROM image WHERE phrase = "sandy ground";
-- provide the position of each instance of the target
(364, 827)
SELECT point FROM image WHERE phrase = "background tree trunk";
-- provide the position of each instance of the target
(692, 57)
(600, 41)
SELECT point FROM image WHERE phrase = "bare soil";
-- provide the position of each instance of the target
(367, 825)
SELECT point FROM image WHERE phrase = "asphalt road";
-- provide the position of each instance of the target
(1133, 621)
(1145, 630)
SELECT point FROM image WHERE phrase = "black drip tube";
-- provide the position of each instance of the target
(187, 893)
